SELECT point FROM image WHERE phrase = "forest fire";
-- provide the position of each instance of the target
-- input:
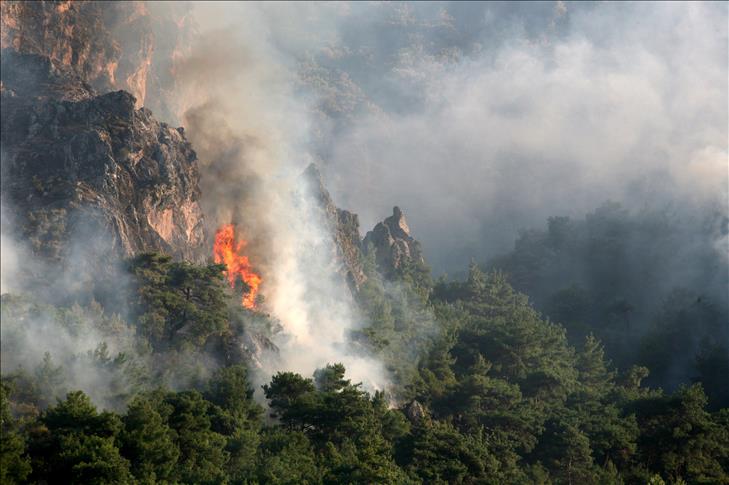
(228, 252)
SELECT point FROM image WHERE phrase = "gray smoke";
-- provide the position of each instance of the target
(251, 130)
(480, 119)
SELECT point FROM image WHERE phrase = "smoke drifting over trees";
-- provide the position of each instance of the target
(575, 154)
(484, 119)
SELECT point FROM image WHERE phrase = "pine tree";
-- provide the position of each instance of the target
(14, 463)
(78, 445)
(148, 442)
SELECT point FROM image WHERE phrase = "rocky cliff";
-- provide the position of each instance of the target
(81, 156)
(344, 226)
(76, 165)
(129, 45)
(88, 173)
(390, 240)
(393, 245)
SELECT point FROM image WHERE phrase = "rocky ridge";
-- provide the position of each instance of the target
(88, 172)
(79, 164)
(344, 226)
(131, 45)
(82, 157)
(392, 244)
(390, 240)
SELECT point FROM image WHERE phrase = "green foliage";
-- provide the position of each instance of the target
(287, 457)
(650, 286)
(437, 453)
(680, 440)
(686, 319)
(485, 390)
(289, 395)
(148, 442)
(346, 426)
(14, 463)
(202, 450)
(178, 303)
(62, 355)
(236, 416)
(76, 444)
(401, 325)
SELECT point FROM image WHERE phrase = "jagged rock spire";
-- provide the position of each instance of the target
(344, 226)
(393, 244)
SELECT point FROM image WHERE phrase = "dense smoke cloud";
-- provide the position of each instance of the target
(251, 132)
(483, 119)
(504, 140)
(70, 346)
(478, 119)
(8, 252)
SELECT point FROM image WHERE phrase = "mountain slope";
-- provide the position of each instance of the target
(78, 164)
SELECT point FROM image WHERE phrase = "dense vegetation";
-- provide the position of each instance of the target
(486, 390)
(651, 285)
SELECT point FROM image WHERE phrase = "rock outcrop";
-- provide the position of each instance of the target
(416, 413)
(130, 46)
(344, 226)
(254, 347)
(76, 165)
(393, 245)
(390, 240)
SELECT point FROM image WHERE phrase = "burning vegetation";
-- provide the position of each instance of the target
(230, 253)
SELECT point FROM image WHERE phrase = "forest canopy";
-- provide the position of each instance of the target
(485, 388)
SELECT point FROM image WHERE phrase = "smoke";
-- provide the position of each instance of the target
(53, 331)
(9, 252)
(45, 333)
(66, 325)
(478, 119)
(251, 130)
(481, 119)
(73, 348)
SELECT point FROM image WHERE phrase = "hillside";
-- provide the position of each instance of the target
(186, 302)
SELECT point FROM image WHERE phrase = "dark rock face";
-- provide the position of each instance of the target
(415, 412)
(393, 245)
(344, 226)
(75, 164)
(390, 240)
(111, 45)
(78, 162)
(72, 35)
(34, 76)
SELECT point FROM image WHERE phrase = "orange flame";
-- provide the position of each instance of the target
(228, 252)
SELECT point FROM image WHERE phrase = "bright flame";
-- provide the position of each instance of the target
(228, 252)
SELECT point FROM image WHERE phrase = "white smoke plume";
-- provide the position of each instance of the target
(478, 119)
(251, 131)
(623, 101)
(66, 347)
(9, 252)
